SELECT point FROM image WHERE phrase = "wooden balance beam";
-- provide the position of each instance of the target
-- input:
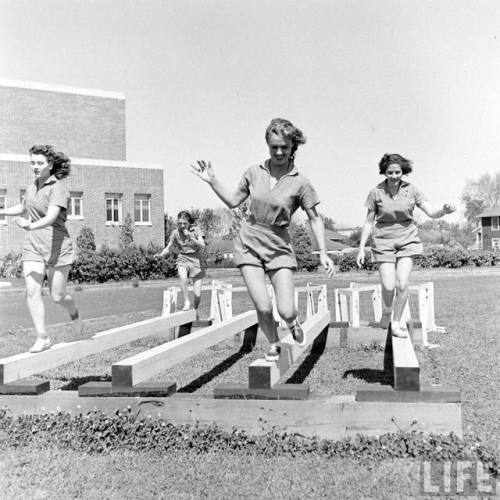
(263, 376)
(19, 366)
(128, 374)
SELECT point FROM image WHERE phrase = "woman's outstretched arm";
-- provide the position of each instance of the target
(318, 230)
(206, 173)
(426, 207)
(365, 233)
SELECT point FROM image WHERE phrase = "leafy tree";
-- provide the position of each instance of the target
(355, 238)
(169, 225)
(238, 216)
(481, 194)
(85, 241)
(328, 222)
(301, 242)
(207, 220)
(127, 232)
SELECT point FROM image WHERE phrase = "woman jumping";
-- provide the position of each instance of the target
(276, 190)
(48, 249)
(395, 235)
(187, 240)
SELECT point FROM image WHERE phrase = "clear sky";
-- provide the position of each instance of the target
(203, 79)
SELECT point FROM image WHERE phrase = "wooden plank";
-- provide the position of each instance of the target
(279, 391)
(431, 394)
(23, 365)
(148, 389)
(264, 374)
(26, 386)
(143, 366)
(334, 417)
(405, 365)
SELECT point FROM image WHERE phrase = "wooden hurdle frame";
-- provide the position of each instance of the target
(266, 404)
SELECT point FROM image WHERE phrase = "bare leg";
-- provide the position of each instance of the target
(282, 281)
(197, 282)
(255, 281)
(58, 277)
(403, 270)
(34, 272)
(184, 287)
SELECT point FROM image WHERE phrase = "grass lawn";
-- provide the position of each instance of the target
(467, 304)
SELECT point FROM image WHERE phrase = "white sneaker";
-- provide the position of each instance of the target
(187, 306)
(397, 330)
(40, 345)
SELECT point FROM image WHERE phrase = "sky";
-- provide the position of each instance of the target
(203, 78)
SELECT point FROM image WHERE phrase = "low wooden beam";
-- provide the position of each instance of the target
(405, 364)
(23, 365)
(141, 367)
(332, 417)
(430, 394)
(265, 374)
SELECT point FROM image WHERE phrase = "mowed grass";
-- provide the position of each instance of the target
(467, 305)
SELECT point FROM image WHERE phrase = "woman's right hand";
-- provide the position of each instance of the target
(203, 169)
(360, 258)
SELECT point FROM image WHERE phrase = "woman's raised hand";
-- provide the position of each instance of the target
(360, 258)
(448, 209)
(203, 169)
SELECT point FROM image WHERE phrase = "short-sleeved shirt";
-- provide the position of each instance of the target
(264, 240)
(186, 245)
(51, 244)
(275, 206)
(394, 210)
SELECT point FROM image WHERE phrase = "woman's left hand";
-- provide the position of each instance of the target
(327, 263)
(24, 223)
(448, 209)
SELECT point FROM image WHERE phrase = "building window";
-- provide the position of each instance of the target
(495, 225)
(3, 195)
(142, 209)
(113, 209)
(75, 207)
(495, 243)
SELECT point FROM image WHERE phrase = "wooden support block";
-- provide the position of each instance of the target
(145, 389)
(431, 394)
(405, 365)
(264, 374)
(26, 386)
(131, 371)
(279, 391)
(26, 364)
(202, 323)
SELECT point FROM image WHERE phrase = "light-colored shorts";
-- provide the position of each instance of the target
(59, 253)
(264, 246)
(394, 242)
(193, 265)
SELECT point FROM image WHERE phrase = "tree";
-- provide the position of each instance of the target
(301, 242)
(480, 195)
(238, 216)
(127, 232)
(355, 238)
(168, 225)
(207, 220)
(328, 222)
(85, 241)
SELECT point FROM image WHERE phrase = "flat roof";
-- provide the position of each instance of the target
(49, 87)
(491, 212)
(88, 161)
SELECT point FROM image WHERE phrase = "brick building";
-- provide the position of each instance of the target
(89, 126)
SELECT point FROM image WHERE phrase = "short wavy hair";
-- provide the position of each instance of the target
(390, 159)
(287, 130)
(184, 214)
(60, 164)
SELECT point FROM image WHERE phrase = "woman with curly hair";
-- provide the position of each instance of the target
(390, 207)
(276, 190)
(48, 249)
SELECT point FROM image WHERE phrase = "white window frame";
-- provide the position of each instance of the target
(495, 219)
(495, 243)
(143, 199)
(3, 195)
(75, 195)
(114, 197)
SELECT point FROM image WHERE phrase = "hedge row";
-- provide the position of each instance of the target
(450, 257)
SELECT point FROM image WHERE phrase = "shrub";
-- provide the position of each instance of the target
(11, 266)
(86, 240)
(302, 245)
(127, 232)
(348, 262)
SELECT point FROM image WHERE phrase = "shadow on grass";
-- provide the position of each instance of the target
(215, 371)
(383, 377)
(317, 349)
(74, 382)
